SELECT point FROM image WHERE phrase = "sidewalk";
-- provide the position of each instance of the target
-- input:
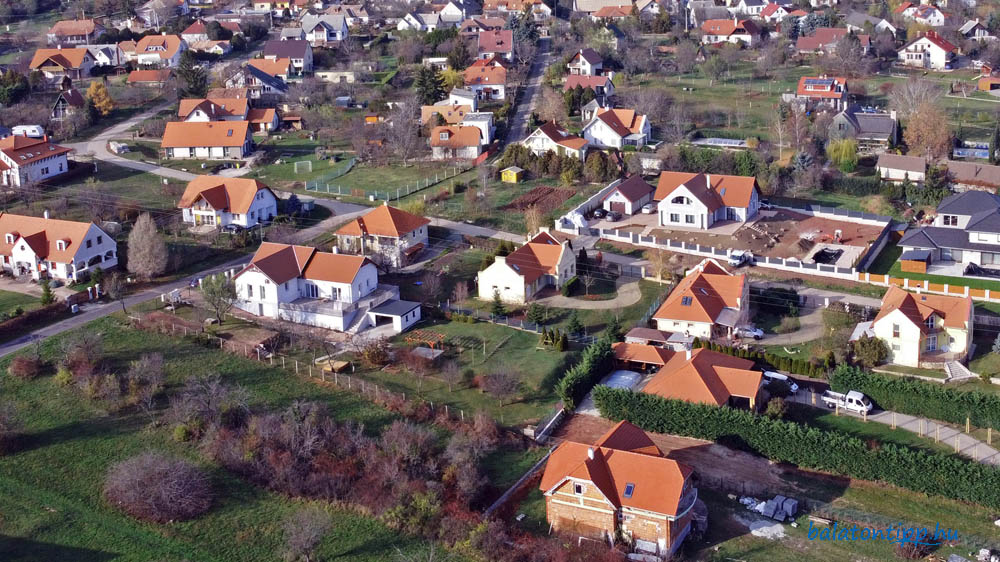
(966, 445)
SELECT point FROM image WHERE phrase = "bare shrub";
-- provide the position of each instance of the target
(304, 530)
(502, 384)
(25, 366)
(154, 487)
(207, 402)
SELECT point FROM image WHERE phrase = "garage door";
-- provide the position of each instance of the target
(618, 206)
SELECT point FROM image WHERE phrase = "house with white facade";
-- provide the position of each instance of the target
(487, 78)
(586, 62)
(56, 64)
(896, 167)
(215, 140)
(617, 128)
(160, 51)
(539, 10)
(550, 136)
(220, 201)
(628, 196)
(976, 31)
(693, 200)
(600, 84)
(58, 249)
(499, 43)
(860, 22)
(213, 109)
(730, 31)
(328, 290)
(355, 14)
(710, 302)
(74, 32)
(424, 22)
(542, 262)
(924, 13)
(456, 142)
(930, 51)
(965, 232)
(922, 329)
(107, 55)
(386, 235)
(28, 160)
(482, 120)
(322, 29)
(299, 52)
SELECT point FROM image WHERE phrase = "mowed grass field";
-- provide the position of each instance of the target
(50, 491)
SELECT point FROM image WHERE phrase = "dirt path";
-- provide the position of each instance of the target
(628, 294)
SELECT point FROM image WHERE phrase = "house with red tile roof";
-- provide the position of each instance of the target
(544, 261)
(620, 485)
(925, 13)
(830, 91)
(487, 78)
(709, 377)
(220, 201)
(27, 160)
(612, 13)
(601, 85)
(550, 136)
(55, 64)
(629, 196)
(730, 31)
(49, 248)
(153, 78)
(920, 328)
(263, 120)
(826, 39)
(162, 51)
(335, 291)
(215, 140)
(496, 43)
(74, 32)
(641, 357)
(213, 109)
(456, 141)
(198, 31)
(693, 200)
(617, 128)
(471, 27)
(387, 235)
(710, 302)
(540, 11)
(930, 51)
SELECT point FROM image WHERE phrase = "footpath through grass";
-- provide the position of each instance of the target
(50, 491)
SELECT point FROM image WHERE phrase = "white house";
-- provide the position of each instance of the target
(499, 43)
(927, 14)
(617, 128)
(28, 160)
(385, 234)
(586, 62)
(483, 120)
(462, 96)
(922, 329)
(692, 200)
(323, 29)
(59, 249)
(710, 302)
(219, 201)
(976, 31)
(730, 31)
(966, 231)
(859, 22)
(542, 262)
(299, 52)
(356, 14)
(487, 78)
(550, 136)
(213, 109)
(456, 141)
(629, 196)
(107, 55)
(419, 22)
(539, 10)
(161, 51)
(74, 32)
(216, 140)
(930, 50)
(896, 167)
(334, 291)
(56, 64)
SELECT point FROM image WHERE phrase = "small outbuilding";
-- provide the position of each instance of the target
(915, 261)
(512, 174)
(629, 196)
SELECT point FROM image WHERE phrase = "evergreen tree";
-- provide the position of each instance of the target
(193, 78)
(614, 331)
(574, 326)
(459, 57)
(13, 88)
(497, 308)
(47, 296)
(429, 86)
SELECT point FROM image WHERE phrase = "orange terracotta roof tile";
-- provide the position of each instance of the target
(954, 311)
(456, 136)
(73, 27)
(384, 221)
(25, 150)
(642, 353)
(708, 377)
(66, 58)
(277, 67)
(182, 134)
(452, 114)
(335, 268)
(279, 262)
(216, 108)
(234, 195)
(166, 46)
(702, 296)
(713, 190)
(42, 235)
(158, 75)
(261, 115)
(485, 75)
(541, 255)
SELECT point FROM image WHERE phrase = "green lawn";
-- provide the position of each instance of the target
(971, 282)
(900, 369)
(866, 204)
(50, 491)
(825, 419)
(10, 301)
(886, 259)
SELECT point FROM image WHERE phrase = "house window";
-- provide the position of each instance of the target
(930, 322)
(990, 258)
(262, 292)
(689, 219)
(45, 171)
(686, 301)
(680, 200)
(629, 490)
(90, 243)
(983, 237)
(578, 489)
(249, 291)
(895, 330)
(674, 217)
(950, 220)
(895, 347)
(100, 239)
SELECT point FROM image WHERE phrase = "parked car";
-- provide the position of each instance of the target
(614, 216)
(649, 208)
(740, 257)
(765, 204)
(195, 281)
(853, 401)
(600, 213)
(770, 376)
(232, 228)
(750, 332)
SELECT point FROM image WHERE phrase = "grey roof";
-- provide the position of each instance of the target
(858, 19)
(463, 93)
(973, 173)
(752, 2)
(968, 203)
(395, 308)
(291, 33)
(984, 221)
(917, 255)
(934, 237)
(650, 334)
(291, 48)
(594, 5)
(478, 116)
(900, 162)
(879, 126)
(276, 84)
(968, 26)
(336, 23)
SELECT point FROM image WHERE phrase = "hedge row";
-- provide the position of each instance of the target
(919, 398)
(20, 325)
(797, 366)
(857, 185)
(580, 378)
(808, 447)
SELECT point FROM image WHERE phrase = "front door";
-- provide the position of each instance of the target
(260, 309)
(932, 342)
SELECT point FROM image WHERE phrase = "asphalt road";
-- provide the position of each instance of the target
(518, 128)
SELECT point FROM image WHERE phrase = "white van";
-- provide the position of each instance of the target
(774, 376)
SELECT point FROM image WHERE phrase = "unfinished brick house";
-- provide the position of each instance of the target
(620, 483)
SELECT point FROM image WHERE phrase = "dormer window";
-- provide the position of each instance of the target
(9, 238)
(578, 489)
(930, 322)
(60, 244)
(443, 135)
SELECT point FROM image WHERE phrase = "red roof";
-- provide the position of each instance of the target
(384, 221)
(592, 82)
(703, 294)
(729, 27)
(538, 257)
(708, 377)
(935, 39)
(499, 41)
(633, 189)
(823, 87)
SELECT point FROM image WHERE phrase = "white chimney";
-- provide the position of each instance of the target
(687, 352)
(46, 213)
(590, 453)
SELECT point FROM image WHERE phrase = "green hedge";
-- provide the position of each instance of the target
(569, 286)
(919, 398)
(780, 362)
(807, 447)
(580, 378)
(857, 185)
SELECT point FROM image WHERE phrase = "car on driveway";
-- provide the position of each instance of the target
(649, 208)
(770, 376)
(600, 213)
(614, 216)
(195, 281)
(750, 332)
(232, 229)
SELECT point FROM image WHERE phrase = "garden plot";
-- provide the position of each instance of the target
(544, 198)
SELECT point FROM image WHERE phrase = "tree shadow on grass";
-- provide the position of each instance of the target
(17, 549)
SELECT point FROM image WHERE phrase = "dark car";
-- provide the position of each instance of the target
(600, 213)
(232, 229)
(614, 216)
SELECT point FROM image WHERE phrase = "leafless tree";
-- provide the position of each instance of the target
(678, 122)
(452, 374)
(282, 234)
(551, 106)
(524, 52)
(798, 127)
(145, 380)
(461, 291)
(907, 97)
(652, 102)
(533, 218)
(588, 280)
(28, 192)
(502, 383)
(154, 487)
(385, 257)
(115, 287)
(780, 129)
(684, 56)
(102, 202)
(304, 530)
(206, 401)
(147, 252)
(658, 260)
(430, 287)
(402, 136)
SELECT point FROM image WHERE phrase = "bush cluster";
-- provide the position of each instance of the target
(580, 378)
(154, 487)
(813, 368)
(918, 398)
(858, 186)
(26, 366)
(808, 447)
(570, 286)
(18, 325)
